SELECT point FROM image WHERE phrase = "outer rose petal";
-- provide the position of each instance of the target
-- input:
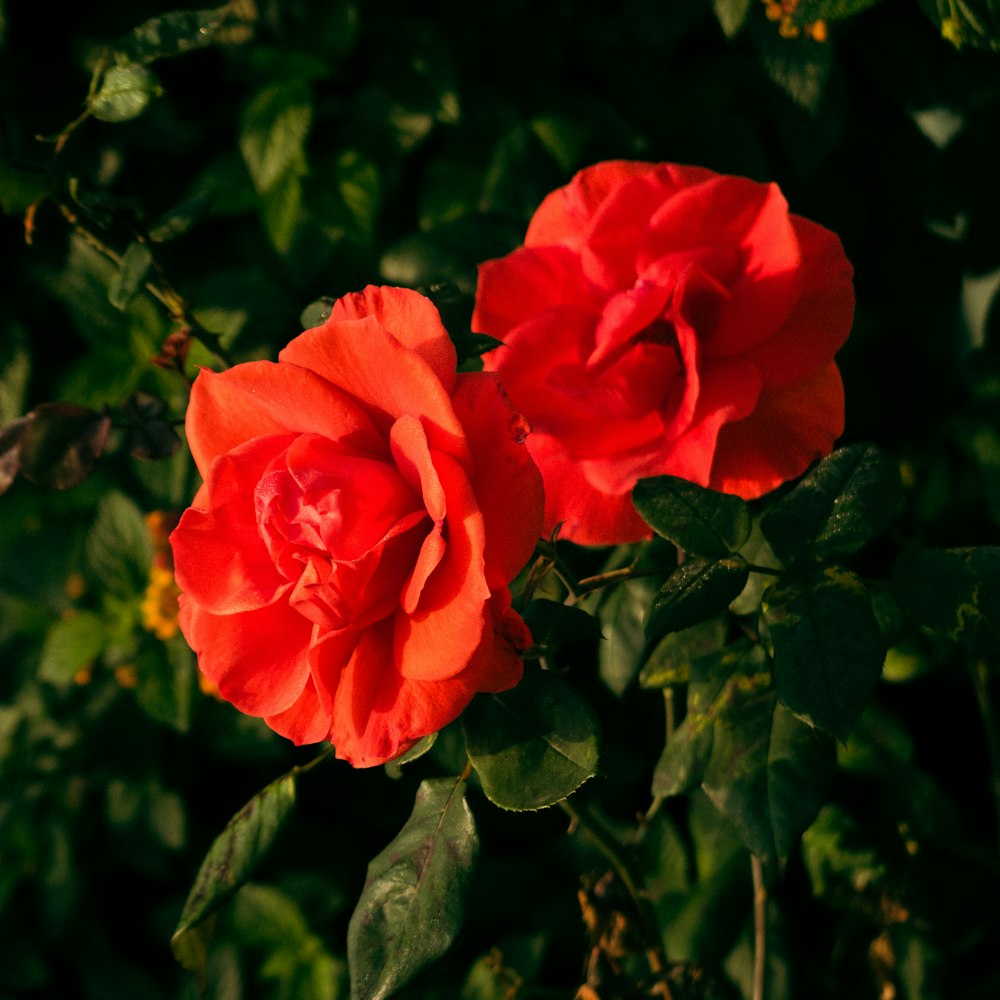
(564, 215)
(526, 283)
(305, 721)
(506, 482)
(220, 559)
(259, 398)
(586, 515)
(259, 660)
(788, 431)
(388, 378)
(411, 318)
(435, 641)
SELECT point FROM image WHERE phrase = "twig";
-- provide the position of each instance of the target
(759, 927)
(609, 847)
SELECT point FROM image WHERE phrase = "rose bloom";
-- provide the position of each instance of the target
(663, 319)
(345, 565)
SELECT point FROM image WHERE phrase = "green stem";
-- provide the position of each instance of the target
(326, 752)
(611, 849)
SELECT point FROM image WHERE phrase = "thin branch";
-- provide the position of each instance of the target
(759, 927)
(611, 849)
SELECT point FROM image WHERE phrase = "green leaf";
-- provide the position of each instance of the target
(165, 680)
(838, 859)
(413, 903)
(281, 207)
(174, 33)
(799, 66)
(21, 188)
(807, 11)
(620, 613)
(671, 660)
(273, 131)
(551, 623)
(179, 219)
(847, 500)
(765, 770)
(71, 645)
(316, 313)
(955, 592)
(230, 861)
(131, 277)
(694, 592)
(125, 93)
(732, 15)
(966, 22)
(118, 546)
(534, 745)
(768, 773)
(828, 648)
(714, 681)
(700, 521)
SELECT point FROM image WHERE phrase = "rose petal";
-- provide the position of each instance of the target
(524, 284)
(219, 557)
(259, 660)
(258, 398)
(411, 318)
(506, 483)
(822, 316)
(788, 430)
(436, 640)
(586, 515)
(564, 216)
(388, 378)
(304, 721)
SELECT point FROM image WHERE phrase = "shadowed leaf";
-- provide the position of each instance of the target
(413, 903)
(533, 745)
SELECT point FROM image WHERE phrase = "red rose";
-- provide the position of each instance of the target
(345, 565)
(667, 320)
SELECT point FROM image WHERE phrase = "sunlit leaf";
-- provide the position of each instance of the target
(174, 33)
(839, 860)
(955, 592)
(828, 649)
(843, 503)
(71, 646)
(694, 592)
(670, 662)
(533, 745)
(125, 93)
(273, 131)
(230, 861)
(414, 899)
(732, 15)
(697, 520)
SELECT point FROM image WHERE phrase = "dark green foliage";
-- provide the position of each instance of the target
(414, 899)
(209, 173)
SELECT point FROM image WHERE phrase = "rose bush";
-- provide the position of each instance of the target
(345, 565)
(663, 319)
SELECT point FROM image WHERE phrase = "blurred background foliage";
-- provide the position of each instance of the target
(215, 173)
